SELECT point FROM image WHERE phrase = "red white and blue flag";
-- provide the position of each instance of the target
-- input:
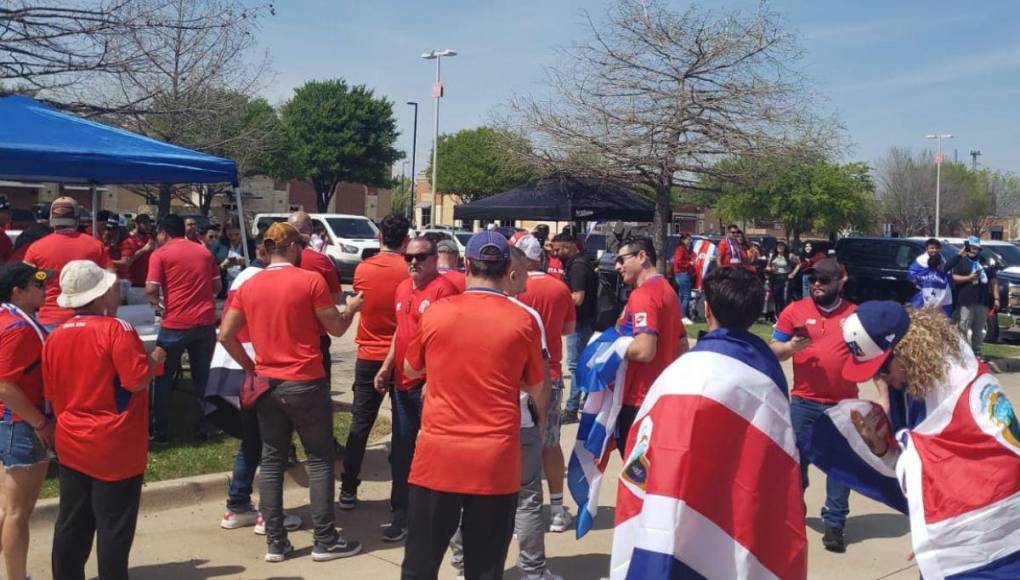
(711, 486)
(601, 368)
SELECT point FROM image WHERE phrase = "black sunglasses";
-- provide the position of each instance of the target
(420, 257)
(623, 257)
(823, 280)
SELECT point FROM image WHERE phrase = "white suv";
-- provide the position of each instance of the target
(349, 238)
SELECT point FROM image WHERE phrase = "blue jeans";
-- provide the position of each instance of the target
(683, 282)
(575, 345)
(803, 414)
(199, 343)
(249, 455)
(406, 424)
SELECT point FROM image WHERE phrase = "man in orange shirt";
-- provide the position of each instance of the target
(377, 279)
(467, 461)
(52, 252)
(449, 263)
(285, 309)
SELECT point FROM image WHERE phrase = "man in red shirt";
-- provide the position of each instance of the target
(321, 264)
(66, 243)
(6, 245)
(377, 278)
(551, 298)
(731, 250)
(449, 263)
(683, 273)
(96, 376)
(652, 314)
(810, 331)
(414, 296)
(479, 350)
(186, 276)
(285, 310)
(136, 249)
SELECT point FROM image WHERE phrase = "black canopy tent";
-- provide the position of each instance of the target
(561, 198)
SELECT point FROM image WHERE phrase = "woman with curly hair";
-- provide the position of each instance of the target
(956, 454)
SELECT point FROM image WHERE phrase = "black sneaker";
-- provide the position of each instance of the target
(340, 548)
(277, 551)
(348, 499)
(395, 531)
(833, 540)
(568, 417)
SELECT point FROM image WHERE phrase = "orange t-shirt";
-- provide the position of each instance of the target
(378, 277)
(476, 348)
(457, 277)
(52, 253)
(550, 297)
(279, 307)
(411, 304)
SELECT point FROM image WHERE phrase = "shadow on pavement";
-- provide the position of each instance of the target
(868, 526)
(578, 567)
(603, 519)
(188, 569)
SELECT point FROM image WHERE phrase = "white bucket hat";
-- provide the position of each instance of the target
(81, 282)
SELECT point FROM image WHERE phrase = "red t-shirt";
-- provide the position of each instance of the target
(320, 263)
(6, 246)
(730, 254)
(654, 308)
(186, 272)
(140, 267)
(551, 299)
(477, 348)
(52, 253)
(818, 369)
(683, 260)
(411, 304)
(378, 277)
(19, 254)
(102, 429)
(457, 277)
(555, 267)
(279, 307)
(20, 360)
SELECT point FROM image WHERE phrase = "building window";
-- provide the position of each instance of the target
(996, 232)
(426, 216)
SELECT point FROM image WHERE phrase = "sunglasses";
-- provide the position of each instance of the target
(420, 257)
(623, 257)
(823, 280)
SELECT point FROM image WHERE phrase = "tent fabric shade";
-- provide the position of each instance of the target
(39, 143)
(561, 198)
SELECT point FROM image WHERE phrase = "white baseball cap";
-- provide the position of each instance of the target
(531, 247)
(83, 281)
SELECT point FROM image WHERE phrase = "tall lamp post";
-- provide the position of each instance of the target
(414, 155)
(437, 93)
(938, 177)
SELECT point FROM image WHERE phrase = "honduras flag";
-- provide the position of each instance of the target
(711, 485)
(600, 373)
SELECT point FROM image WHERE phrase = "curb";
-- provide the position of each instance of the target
(1004, 365)
(174, 493)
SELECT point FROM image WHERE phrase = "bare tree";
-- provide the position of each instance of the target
(656, 97)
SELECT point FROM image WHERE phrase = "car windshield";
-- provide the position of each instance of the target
(463, 237)
(1010, 254)
(352, 228)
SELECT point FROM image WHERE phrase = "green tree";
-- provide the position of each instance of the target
(334, 132)
(477, 163)
(805, 194)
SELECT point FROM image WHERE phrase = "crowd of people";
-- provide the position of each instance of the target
(470, 350)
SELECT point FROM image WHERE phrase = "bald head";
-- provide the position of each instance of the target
(301, 222)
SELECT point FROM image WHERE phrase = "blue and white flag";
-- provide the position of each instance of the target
(600, 374)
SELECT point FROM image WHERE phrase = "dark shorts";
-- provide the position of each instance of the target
(19, 445)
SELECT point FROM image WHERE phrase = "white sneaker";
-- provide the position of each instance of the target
(688, 321)
(233, 520)
(291, 522)
(561, 521)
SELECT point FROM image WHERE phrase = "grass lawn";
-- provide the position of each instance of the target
(763, 331)
(185, 456)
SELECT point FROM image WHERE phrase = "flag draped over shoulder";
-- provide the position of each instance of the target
(711, 486)
(601, 369)
(959, 467)
(223, 390)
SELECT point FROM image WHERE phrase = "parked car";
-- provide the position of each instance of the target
(449, 235)
(877, 267)
(349, 238)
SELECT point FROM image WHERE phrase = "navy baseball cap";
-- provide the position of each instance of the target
(485, 240)
(871, 333)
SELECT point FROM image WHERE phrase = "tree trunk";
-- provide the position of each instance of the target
(165, 193)
(660, 230)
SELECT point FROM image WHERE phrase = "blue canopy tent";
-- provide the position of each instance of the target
(40, 143)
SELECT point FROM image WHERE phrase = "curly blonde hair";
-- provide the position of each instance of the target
(928, 349)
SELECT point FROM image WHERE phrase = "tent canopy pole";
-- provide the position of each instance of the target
(240, 224)
(95, 211)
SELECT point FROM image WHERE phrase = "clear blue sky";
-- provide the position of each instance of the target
(893, 71)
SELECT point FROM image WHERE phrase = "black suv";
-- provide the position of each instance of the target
(877, 267)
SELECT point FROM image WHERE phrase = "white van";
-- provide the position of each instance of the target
(349, 238)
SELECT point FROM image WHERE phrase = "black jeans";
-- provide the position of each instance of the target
(325, 342)
(90, 507)
(305, 406)
(624, 421)
(406, 424)
(199, 343)
(366, 408)
(779, 284)
(487, 524)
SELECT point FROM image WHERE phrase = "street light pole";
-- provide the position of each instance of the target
(437, 93)
(938, 178)
(414, 156)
